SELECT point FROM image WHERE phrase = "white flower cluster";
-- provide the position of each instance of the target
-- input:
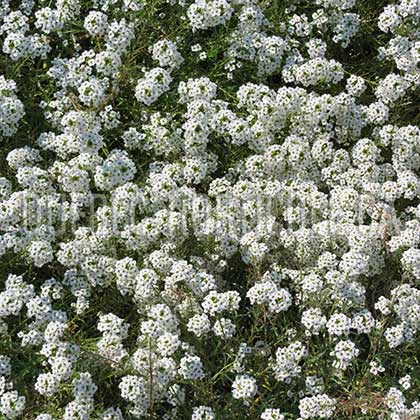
(244, 387)
(204, 14)
(233, 233)
(11, 108)
(401, 20)
(319, 406)
(11, 403)
(166, 52)
(154, 83)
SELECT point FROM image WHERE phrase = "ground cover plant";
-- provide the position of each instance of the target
(209, 209)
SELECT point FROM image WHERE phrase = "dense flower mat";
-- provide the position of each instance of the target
(209, 209)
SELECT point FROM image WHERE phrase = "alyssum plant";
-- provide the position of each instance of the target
(209, 209)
